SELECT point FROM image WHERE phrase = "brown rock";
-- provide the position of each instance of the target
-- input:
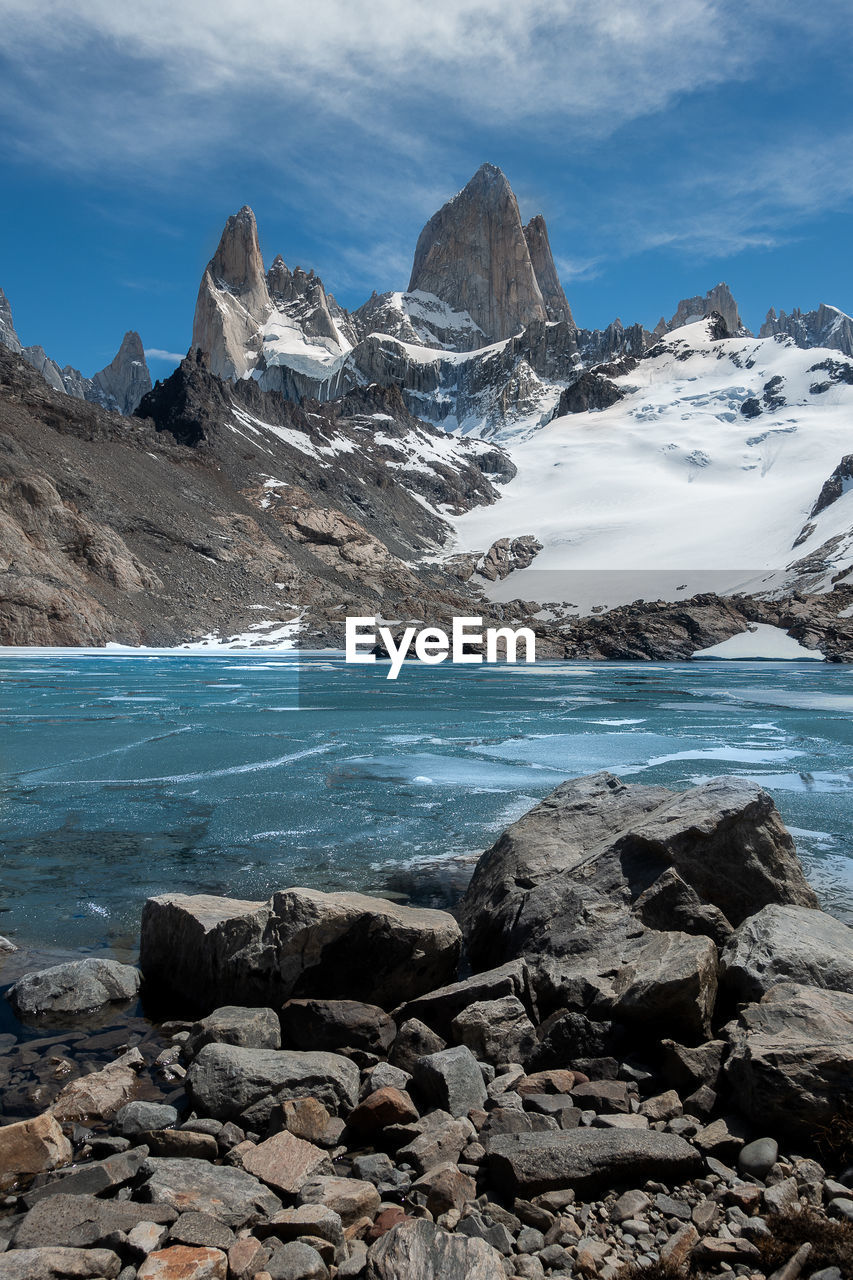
(665, 1106)
(446, 1187)
(602, 1095)
(381, 1108)
(348, 1197)
(679, 1247)
(33, 1146)
(285, 1162)
(305, 1118)
(387, 1219)
(181, 1142)
(246, 1258)
(184, 1262)
(555, 1081)
(100, 1094)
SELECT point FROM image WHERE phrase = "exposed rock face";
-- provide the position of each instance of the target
(230, 1195)
(592, 390)
(507, 555)
(539, 247)
(8, 336)
(233, 300)
(718, 299)
(474, 255)
(835, 487)
(300, 943)
(788, 944)
(561, 887)
(126, 379)
(792, 1056)
(825, 327)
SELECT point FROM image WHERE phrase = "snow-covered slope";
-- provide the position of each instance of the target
(703, 477)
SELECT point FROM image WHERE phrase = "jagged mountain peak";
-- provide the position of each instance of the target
(126, 379)
(539, 247)
(473, 255)
(828, 326)
(719, 299)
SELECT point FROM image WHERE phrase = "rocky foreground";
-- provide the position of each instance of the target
(648, 1071)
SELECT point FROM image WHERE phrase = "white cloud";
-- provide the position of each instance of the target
(157, 353)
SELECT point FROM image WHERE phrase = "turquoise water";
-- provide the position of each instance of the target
(125, 776)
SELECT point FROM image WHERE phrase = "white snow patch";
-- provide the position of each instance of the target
(761, 641)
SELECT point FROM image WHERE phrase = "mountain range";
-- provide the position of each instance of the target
(462, 440)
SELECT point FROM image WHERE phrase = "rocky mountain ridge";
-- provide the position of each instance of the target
(119, 386)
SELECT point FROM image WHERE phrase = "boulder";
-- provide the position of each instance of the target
(792, 1058)
(451, 1080)
(284, 1162)
(496, 1030)
(201, 1228)
(446, 1187)
(184, 1262)
(414, 1040)
(380, 1109)
(232, 1024)
(349, 1198)
(438, 1008)
(56, 1263)
(76, 987)
(788, 944)
(337, 1025)
(668, 979)
(100, 1094)
(562, 882)
(528, 1164)
(142, 1117)
(225, 1080)
(33, 1146)
(81, 1221)
(297, 1260)
(299, 944)
(230, 1195)
(419, 1250)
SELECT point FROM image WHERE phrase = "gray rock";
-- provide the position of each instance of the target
(757, 1158)
(81, 1221)
(422, 1251)
(230, 1195)
(54, 1263)
(299, 944)
(142, 1117)
(337, 1025)
(496, 1030)
(232, 1024)
(225, 1080)
(438, 1008)
(196, 1228)
(841, 1207)
(75, 987)
(451, 1080)
(560, 887)
(689, 1068)
(788, 944)
(528, 1164)
(441, 1138)
(297, 1260)
(671, 903)
(414, 1040)
(792, 1058)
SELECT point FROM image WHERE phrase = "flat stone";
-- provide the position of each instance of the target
(100, 1094)
(83, 1220)
(307, 1220)
(182, 1262)
(93, 1178)
(226, 1080)
(33, 1146)
(438, 1008)
(419, 1250)
(528, 1164)
(551, 1081)
(451, 1080)
(285, 1162)
(230, 1195)
(75, 987)
(56, 1263)
(201, 1229)
(347, 1197)
(182, 1144)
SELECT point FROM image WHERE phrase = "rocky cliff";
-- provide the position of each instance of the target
(539, 247)
(825, 327)
(474, 255)
(718, 300)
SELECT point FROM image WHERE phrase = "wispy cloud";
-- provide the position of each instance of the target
(157, 353)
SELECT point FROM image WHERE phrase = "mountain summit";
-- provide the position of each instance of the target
(475, 255)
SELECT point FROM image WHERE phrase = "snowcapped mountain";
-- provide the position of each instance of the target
(119, 387)
(826, 327)
(716, 467)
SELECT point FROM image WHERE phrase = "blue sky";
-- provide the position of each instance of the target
(669, 146)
